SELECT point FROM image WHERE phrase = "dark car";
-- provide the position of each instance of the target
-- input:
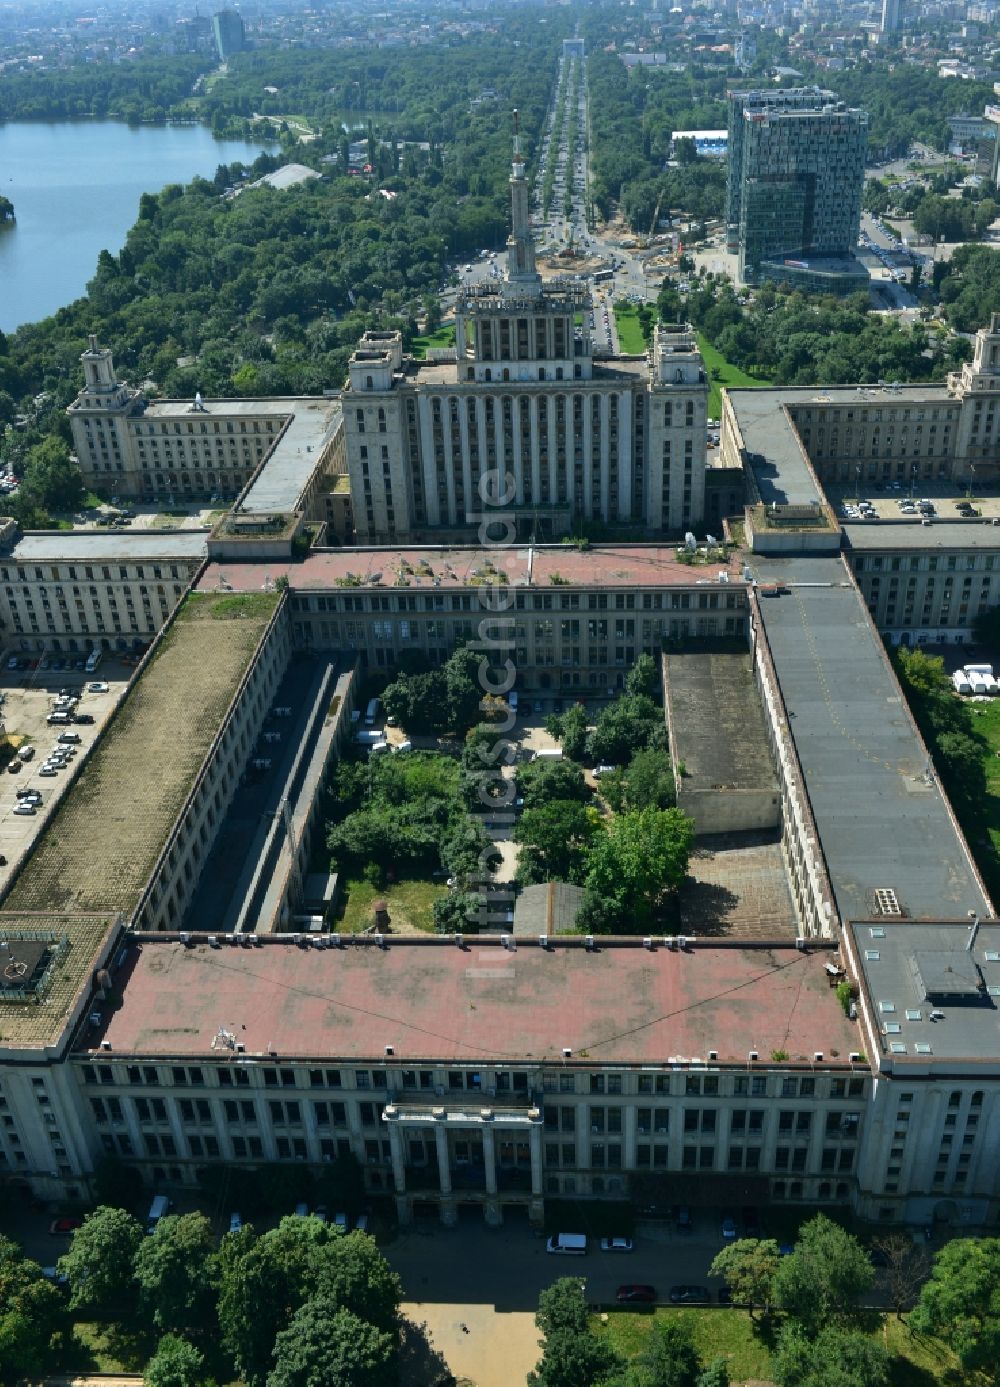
(688, 1295)
(682, 1218)
(60, 1226)
(83, 717)
(633, 1294)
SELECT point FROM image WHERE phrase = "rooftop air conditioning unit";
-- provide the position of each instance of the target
(817, 1055)
(543, 941)
(588, 941)
(752, 1056)
(713, 1055)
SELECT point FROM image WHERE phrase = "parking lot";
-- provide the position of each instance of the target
(900, 501)
(30, 696)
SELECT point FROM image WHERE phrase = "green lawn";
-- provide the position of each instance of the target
(444, 337)
(410, 903)
(917, 1361)
(721, 1332)
(983, 831)
(108, 1348)
(630, 339)
(728, 375)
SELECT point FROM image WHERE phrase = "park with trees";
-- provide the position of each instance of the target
(302, 1304)
(800, 1317)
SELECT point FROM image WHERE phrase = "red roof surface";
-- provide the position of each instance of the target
(433, 1001)
(625, 566)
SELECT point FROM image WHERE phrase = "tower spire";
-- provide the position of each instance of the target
(521, 271)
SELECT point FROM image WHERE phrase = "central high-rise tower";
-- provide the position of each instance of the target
(520, 243)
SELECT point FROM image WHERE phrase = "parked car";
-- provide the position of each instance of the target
(688, 1295)
(60, 1226)
(14, 766)
(83, 718)
(729, 1227)
(98, 686)
(25, 807)
(235, 1223)
(636, 1294)
(617, 1245)
(26, 753)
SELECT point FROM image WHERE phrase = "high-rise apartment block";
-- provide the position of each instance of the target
(890, 16)
(793, 201)
(230, 35)
(618, 440)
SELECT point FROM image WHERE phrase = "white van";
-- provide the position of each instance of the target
(157, 1209)
(93, 660)
(372, 712)
(548, 754)
(567, 1244)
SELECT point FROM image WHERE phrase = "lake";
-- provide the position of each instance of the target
(75, 186)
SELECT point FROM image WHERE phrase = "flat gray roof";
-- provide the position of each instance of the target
(776, 457)
(930, 995)
(112, 546)
(782, 475)
(286, 473)
(882, 817)
(717, 722)
(219, 409)
(876, 536)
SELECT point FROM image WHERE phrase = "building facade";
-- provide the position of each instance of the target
(793, 198)
(614, 440)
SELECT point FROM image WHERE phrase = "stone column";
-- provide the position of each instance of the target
(536, 1160)
(444, 1166)
(489, 1159)
(398, 1161)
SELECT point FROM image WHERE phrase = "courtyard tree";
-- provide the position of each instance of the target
(176, 1363)
(749, 1267)
(669, 1357)
(32, 1313)
(542, 781)
(635, 867)
(175, 1269)
(829, 1357)
(100, 1262)
(821, 1282)
(563, 1305)
(624, 727)
(961, 1302)
(557, 840)
(328, 1346)
(353, 1272)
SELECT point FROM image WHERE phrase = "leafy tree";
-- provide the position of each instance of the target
(961, 1302)
(647, 782)
(830, 1357)
(571, 1359)
(51, 480)
(643, 678)
(540, 782)
(32, 1312)
(556, 841)
(464, 691)
(749, 1267)
(630, 723)
(637, 865)
(822, 1281)
(714, 1374)
(459, 912)
(328, 1346)
(669, 1356)
(354, 1273)
(100, 1261)
(563, 1305)
(176, 1363)
(175, 1269)
(572, 731)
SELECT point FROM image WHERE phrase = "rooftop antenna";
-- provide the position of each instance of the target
(223, 1040)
